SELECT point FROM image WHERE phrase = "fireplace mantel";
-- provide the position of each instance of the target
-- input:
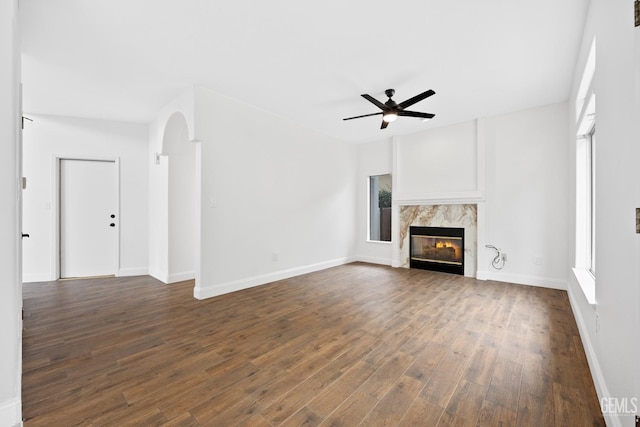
(429, 199)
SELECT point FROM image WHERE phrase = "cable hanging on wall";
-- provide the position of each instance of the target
(499, 260)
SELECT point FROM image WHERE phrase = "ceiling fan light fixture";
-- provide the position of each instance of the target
(390, 110)
(390, 117)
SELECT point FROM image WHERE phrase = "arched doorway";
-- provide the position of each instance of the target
(181, 187)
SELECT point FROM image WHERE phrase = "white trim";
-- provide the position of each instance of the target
(133, 271)
(198, 212)
(10, 412)
(162, 276)
(55, 218)
(181, 277)
(122, 272)
(446, 198)
(395, 181)
(481, 241)
(587, 283)
(521, 279)
(383, 242)
(481, 155)
(374, 260)
(55, 206)
(592, 359)
(395, 207)
(203, 292)
(37, 277)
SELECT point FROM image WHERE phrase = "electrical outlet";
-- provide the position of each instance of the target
(275, 256)
(537, 260)
(504, 257)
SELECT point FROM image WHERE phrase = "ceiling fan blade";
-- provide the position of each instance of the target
(384, 125)
(364, 115)
(409, 102)
(416, 114)
(375, 102)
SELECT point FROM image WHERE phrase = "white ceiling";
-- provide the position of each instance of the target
(305, 61)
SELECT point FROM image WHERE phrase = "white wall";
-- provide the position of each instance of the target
(527, 195)
(440, 160)
(50, 136)
(613, 349)
(158, 228)
(10, 291)
(270, 189)
(182, 200)
(513, 166)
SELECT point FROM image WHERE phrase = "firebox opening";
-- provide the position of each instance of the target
(437, 248)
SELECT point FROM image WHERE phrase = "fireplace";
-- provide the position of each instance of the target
(437, 249)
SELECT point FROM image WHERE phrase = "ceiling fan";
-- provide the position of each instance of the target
(391, 110)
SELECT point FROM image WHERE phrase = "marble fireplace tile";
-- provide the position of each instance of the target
(460, 215)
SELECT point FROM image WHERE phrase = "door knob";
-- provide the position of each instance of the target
(112, 225)
(112, 216)
(25, 235)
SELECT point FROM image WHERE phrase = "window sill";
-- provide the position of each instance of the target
(587, 283)
(378, 241)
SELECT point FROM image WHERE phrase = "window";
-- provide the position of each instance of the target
(585, 261)
(586, 192)
(591, 206)
(380, 208)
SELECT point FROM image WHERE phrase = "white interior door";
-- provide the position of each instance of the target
(89, 235)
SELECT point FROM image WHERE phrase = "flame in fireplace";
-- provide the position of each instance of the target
(441, 244)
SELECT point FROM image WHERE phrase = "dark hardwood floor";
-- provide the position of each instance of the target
(353, 345)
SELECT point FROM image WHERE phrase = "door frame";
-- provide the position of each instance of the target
(55, 207)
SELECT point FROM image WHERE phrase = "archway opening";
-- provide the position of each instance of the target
(181, 187)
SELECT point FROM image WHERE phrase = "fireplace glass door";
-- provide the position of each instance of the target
(437, 248)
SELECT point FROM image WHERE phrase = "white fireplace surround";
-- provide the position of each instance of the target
(462, 204)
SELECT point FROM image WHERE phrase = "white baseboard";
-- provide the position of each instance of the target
(37, 277)
(374, 260)
(521, 279)
(592, 359)
(162, 276)
(133, 271)
(181, 277)
(46, 277)
(203, 292)
(11, 413)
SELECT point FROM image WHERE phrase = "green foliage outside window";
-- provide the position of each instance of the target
(384, 198)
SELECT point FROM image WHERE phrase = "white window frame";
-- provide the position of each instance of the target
(590, 219)
(373, 212)
(585, 184)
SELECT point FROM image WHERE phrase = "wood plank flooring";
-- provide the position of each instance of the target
(353, 345)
